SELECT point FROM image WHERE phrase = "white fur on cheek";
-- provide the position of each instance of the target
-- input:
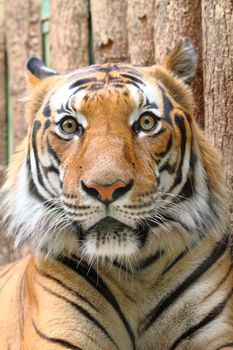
(30, 221)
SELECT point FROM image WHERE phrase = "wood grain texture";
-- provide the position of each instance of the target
(3, 138)
(140, 19)
(3, 245)
(175, 19)
(69, 35)
(218, 79)
(109, 30)
(23, 36)
(23, 39)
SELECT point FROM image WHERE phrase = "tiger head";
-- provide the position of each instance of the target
(113, 164)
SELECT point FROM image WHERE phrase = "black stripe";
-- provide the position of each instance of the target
(73, 206)
(78, 89)
(69, 195)
(81, 82)
(142, 233)
(84, 312)
(167, 301)
(118, 85)
(31, 184)
(150, 260)
(96, 87)
(206, 320)
(46, 125)
(169, 145)
(47, 110)
(180, 256)
(129, 82)
(63, 285)
(121, 267)
(52, 152)
(188, 189)
(62, 342)
(36, 127)
(133, 78)
(90, 275)
(150, 105)
(220, 283)
(62, 110)
(91, 70)
(168, 167)
(50, 169)
(168, 107)
(175, 261)
(141, 264)
(181, 125)
(66, 109)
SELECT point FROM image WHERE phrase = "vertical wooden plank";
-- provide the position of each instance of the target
(23, 37)
(3, 150)
(174, 19)
(109, 30)
(69, 34)
(218, 80)
(140, 19)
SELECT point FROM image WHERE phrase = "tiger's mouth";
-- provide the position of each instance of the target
(111, 238)
(109, 225)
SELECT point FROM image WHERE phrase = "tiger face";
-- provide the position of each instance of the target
(111, 165)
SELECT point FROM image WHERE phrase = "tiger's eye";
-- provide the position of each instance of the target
(146, 122)
(69, 125)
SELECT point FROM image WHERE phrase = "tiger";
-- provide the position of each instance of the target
(122, 200)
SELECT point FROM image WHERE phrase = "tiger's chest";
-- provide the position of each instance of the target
(182, 310)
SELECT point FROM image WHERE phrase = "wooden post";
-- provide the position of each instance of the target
(109, 30)
(23, 38)
(3, 149)
(175, 19)
(3, 138)
(218, 80)
(69, 35)
(140, 19)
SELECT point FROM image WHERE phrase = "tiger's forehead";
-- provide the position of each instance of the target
(120, 85)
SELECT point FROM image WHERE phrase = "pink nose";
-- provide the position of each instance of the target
(109, 192)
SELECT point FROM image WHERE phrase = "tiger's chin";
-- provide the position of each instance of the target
(110, 238)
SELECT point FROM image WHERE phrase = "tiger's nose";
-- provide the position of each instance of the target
(107, 193)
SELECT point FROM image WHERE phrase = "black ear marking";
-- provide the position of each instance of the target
(38, 69)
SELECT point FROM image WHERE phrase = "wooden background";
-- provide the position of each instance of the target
(71, 34)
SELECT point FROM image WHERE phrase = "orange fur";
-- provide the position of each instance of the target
(171, 288)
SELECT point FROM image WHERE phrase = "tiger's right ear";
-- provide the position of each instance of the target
(182, 60)
(37, 70)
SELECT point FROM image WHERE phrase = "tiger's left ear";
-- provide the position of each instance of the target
(182, 61)
(37, 70)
